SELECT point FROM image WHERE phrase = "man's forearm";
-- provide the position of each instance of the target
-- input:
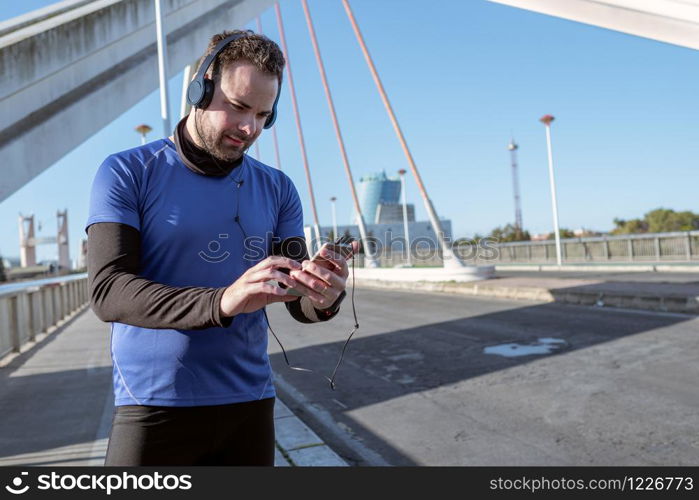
(119, 294)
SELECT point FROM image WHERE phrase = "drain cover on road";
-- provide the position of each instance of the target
(546, 345)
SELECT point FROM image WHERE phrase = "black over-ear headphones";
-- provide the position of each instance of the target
(201, 89)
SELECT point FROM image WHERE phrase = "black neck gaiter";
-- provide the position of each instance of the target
(198, 160)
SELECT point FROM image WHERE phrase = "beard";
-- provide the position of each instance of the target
(216, 144)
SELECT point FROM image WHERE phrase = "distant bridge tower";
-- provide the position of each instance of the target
(512, 146)
(27, 249)
(62, 240)
(28, 240)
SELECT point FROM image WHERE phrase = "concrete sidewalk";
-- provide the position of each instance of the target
(675, 296)
(56, 403)
(298, 445)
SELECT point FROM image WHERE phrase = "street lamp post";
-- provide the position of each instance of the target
(546, 120)
(143, 129)
(332, 201)
(401, 172)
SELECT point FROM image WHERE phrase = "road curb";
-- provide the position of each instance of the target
(686, 304)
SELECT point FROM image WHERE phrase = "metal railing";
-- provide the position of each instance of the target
(631, 248)
(36, 309)
(652, 247)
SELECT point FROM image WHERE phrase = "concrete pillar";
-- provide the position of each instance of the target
(50, 307)
(67, 308)
(69, 302)
(45, 309)
(64, 300)
(688, 246)
(56, 298)
(31, 317)
(5, 331)
(657, 248)
(14, 323)
(24, 317)
(58, 294)
(73, 296)
(38, 308)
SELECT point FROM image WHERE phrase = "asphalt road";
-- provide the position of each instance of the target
(417, 388)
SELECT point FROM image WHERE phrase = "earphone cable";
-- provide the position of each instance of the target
(356, 327)
(330, 379)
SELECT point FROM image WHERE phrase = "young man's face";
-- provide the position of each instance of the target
(242, 101)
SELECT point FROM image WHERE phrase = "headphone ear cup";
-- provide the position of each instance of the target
(195, 91)
(271, 118)
(208, 93)
(273, 115)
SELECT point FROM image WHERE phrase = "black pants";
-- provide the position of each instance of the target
(233, 434)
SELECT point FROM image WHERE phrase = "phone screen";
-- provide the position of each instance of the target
(341, 249)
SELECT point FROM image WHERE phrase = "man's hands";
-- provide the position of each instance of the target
(321, 281)
(324, 280)
(250, 292)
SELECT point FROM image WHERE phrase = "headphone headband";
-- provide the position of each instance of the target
(201, 89)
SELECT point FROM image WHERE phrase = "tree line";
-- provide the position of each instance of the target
(660, 220)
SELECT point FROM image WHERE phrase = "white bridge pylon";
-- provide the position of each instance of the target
(28, 240)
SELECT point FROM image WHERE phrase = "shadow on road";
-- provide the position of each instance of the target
(382, 364)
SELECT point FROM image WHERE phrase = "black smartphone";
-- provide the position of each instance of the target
(342, 246)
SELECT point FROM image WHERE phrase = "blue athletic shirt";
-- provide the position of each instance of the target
(189, 237)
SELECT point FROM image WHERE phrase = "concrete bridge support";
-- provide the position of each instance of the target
(67, 71)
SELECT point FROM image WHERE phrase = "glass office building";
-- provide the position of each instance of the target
(375, 190)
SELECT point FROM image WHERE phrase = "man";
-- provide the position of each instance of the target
(185, 235)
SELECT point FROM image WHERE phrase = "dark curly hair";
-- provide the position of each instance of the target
(257, 49)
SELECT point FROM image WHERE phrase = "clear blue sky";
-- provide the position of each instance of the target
(462, 76)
